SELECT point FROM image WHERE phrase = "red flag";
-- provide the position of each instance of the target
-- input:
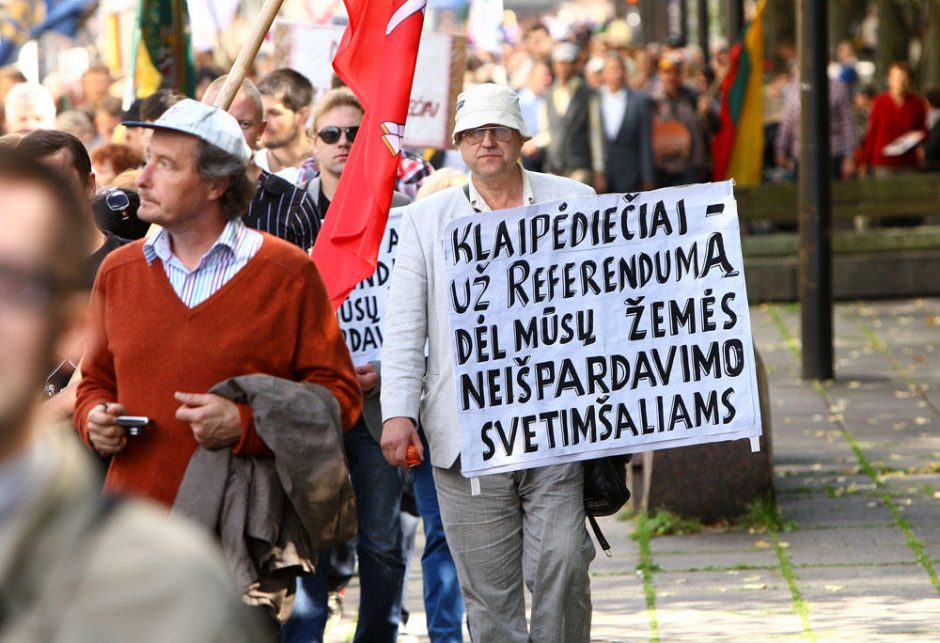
(376, 58)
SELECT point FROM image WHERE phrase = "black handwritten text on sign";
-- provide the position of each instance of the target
(601, 325)
(363, 313)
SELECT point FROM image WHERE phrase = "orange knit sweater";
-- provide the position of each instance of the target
(272, 317)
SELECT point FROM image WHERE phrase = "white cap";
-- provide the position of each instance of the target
(211, 124)
(489, 104)
(594, 65)
(565, 52)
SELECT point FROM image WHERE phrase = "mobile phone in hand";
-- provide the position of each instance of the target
(133, 423)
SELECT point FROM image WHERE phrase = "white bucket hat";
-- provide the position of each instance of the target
(489, 104)
(211, 124)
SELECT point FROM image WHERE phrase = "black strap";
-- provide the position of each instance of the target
(466, 192)
(599, 535)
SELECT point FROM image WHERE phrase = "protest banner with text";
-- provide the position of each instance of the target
(310, 50)
(602, 325)
(363, 313)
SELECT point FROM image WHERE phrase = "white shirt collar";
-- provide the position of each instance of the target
(479, 203)
(230, 240)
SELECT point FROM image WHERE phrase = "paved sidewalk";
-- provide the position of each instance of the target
(857, 465)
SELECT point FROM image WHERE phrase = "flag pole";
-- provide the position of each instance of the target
(130, 87)
(247, 53)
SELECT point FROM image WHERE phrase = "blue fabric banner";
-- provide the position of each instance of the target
(24, 20)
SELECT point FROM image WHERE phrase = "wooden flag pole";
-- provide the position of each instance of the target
(247, 53)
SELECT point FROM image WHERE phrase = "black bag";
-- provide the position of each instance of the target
(605, 491)
(605, 485)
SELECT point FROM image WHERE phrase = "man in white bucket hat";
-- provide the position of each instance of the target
(534, 531)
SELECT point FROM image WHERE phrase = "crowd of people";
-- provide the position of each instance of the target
(191, 227)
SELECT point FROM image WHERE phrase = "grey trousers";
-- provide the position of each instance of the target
(524, 527)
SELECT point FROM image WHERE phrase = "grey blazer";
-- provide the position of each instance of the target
(417, 312)
(371, 411)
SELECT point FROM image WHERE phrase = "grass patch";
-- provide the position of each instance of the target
(763, 516)
(664, 523)
(766, 512)
(646, 569)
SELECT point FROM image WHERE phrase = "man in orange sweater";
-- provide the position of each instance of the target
(206, 299)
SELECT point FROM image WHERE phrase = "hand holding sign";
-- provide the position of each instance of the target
(601, 325)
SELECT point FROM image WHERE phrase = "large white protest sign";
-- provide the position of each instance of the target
(601, 325)
(362, 314)
(311, 52)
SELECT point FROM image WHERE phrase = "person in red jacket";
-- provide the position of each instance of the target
(895, 113)
(204, 300)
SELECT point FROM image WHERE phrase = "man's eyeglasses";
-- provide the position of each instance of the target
(23, 289)
(475, 136)
(331, 134)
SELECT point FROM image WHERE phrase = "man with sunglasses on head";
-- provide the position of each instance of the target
(377, 484)
(524, 528)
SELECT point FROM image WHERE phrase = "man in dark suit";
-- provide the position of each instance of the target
(570, 133)
(628, 130)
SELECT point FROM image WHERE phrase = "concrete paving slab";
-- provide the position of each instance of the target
(830, 483)
(619, 609)
(708, 542)
(758, 557)
(863, 546)
(844, 511)
(721, 606)
(848, 603)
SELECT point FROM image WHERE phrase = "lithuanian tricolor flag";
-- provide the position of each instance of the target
(162, 56)
(738, 147)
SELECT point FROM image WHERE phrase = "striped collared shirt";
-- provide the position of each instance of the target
(229, 254)
(284, 210)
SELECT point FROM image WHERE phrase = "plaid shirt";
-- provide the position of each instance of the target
(843, 136)
(412, 170)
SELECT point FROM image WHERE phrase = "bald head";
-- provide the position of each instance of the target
(29, 107)
(246, 107)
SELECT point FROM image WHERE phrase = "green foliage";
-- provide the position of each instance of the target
(762, 516)
(664, 523)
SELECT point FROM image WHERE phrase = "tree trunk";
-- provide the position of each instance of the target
(930, 62)
(779, 27)
(840, 25)
(893, 39)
